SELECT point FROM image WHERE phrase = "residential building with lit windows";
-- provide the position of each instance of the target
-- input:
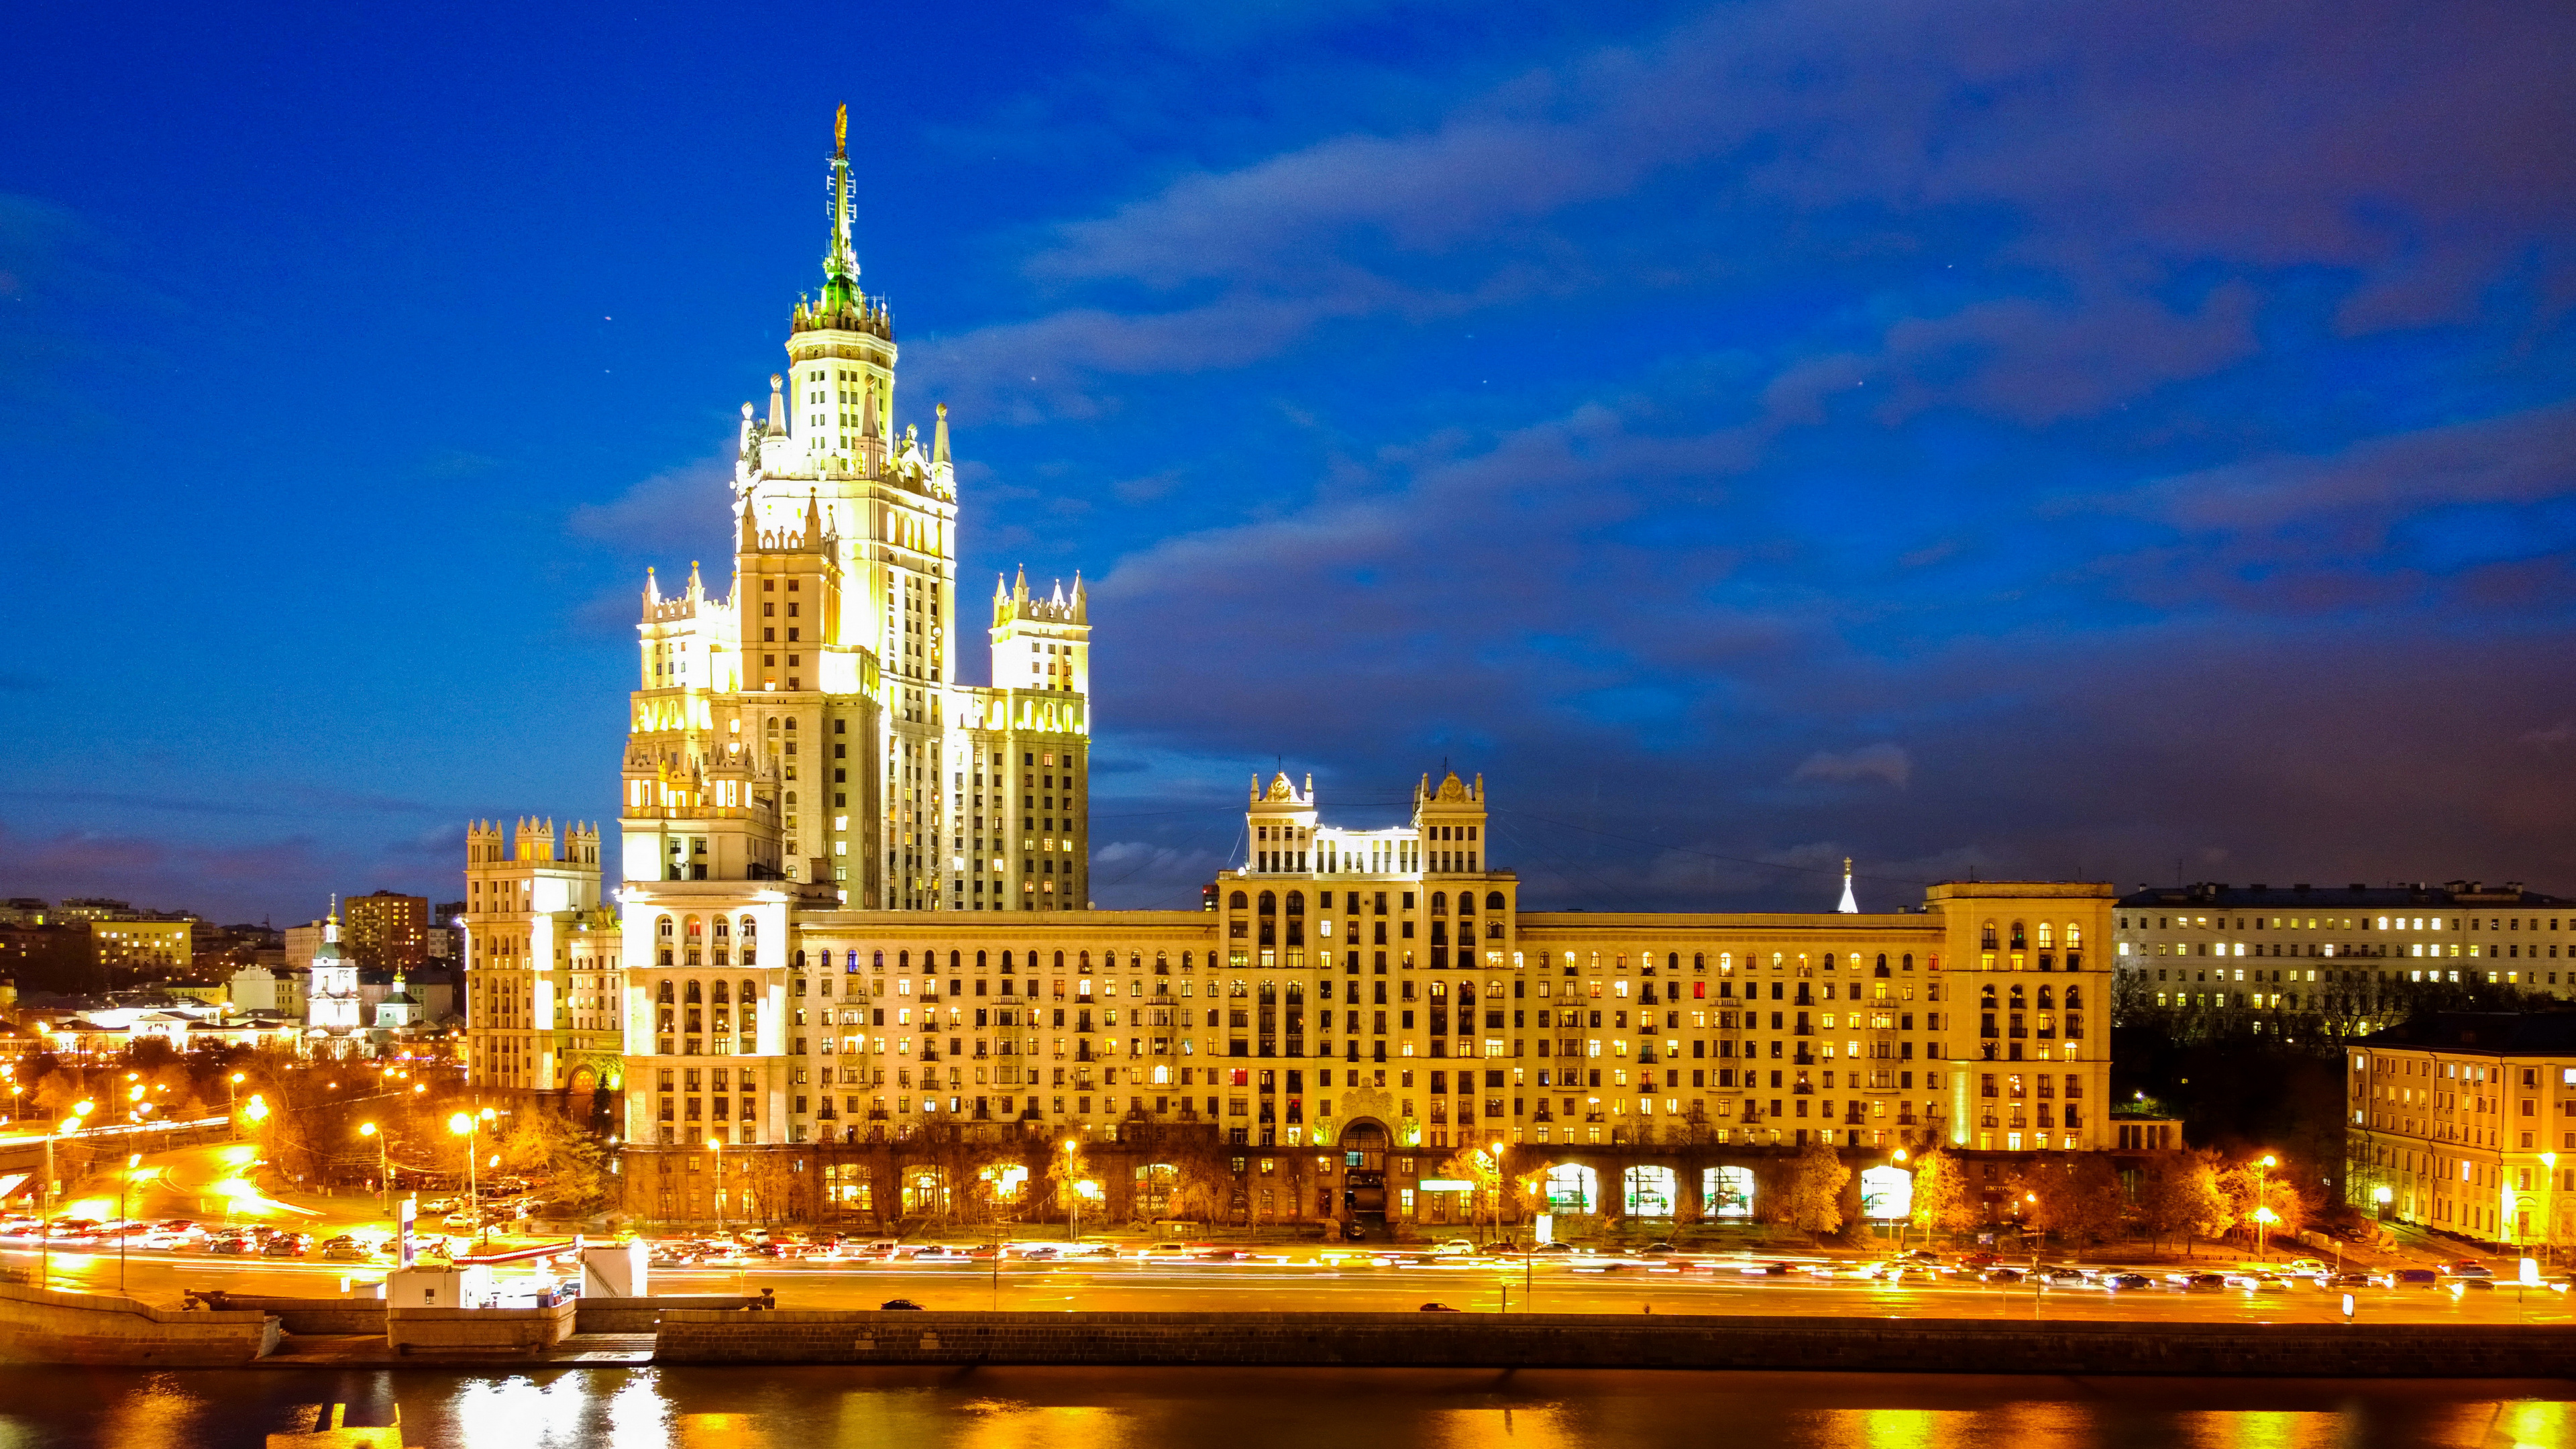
(2308, 949)
(386, 930)
(2466, 1122)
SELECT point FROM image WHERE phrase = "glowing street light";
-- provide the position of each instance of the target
(384, 1183)
(72, 1123)
(470, 1127)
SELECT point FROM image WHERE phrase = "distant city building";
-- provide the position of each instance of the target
(303, 943)
(445, 939)
(386, 931)
(128, 950)
(2466, 1122)
(93, 908)
(24, 911)
(265, 986)
(2305, 948)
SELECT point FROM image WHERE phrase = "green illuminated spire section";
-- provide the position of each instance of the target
(840, 263)
(842, 306)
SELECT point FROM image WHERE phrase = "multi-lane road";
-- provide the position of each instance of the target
(1480, 1286)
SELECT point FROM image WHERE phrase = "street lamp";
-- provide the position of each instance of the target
(72, 1123)
(232, 1103)
(124, 1229)
(2263, 1213)
(2549, 1206)
(383, 1182)
(470, 1127)
(716, 1146)
(1072, 1198)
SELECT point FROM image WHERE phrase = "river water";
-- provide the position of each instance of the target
(1045, 1408)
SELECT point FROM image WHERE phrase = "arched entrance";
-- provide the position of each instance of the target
(1364, 1144)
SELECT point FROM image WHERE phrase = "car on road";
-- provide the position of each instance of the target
(2124, 1282)
(2347, 1280)
(2002, 1275)
(900, 1305)
(2409, 1278)
(2468, 1268)
(1552, 1250)
(2199, 1282)
(232, 1245)
(2305, 1268)
(286, 1245)
(436, 1207)
(347, 1253)
(1438, 1308)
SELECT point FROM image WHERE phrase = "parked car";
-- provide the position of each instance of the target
(347, 1253)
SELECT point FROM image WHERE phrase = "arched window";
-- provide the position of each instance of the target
(1006, 962)
(1466, 903)
(1699, 960)
(1059, 960)
(691, 995)
(1084, 960)
(1829, 960)
(663, 996)
(1162, 964)
(2074, 997)
(750, 928)
(1296, 903)
(2047, 999)
(1907, 962)
(1269, 904)
(880, 960)
(720, 995)
(954, 959)
(724, 928)
(749, 994)
(1493, 900)
(1237, 902)
(2074, 936)
(2020, 937)
(1986, 936)
(1439, 903)
(979, 961)
(1882, 965)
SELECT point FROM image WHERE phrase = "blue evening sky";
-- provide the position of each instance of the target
(2102, 441)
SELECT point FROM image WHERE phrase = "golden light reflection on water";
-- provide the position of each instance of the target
(2536, 1425)
(163, 1415)
(1536, 1426)
(2036, 1425)
(1006, 1424)
(719, 1431)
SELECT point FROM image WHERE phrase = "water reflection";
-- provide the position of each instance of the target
(1253, 1409)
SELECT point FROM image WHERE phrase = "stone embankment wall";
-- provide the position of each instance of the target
(39, 1325)
(1465, 1340)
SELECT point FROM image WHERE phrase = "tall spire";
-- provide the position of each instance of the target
(939, 438)
(1850, 905)
(840, 263)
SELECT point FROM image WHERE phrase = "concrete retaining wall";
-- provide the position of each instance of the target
(508, 1330)
(341, 1316)
(644, 1315)
(1591, 1341)
(39, 1325)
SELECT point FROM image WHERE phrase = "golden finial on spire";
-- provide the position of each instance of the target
(841, 131)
